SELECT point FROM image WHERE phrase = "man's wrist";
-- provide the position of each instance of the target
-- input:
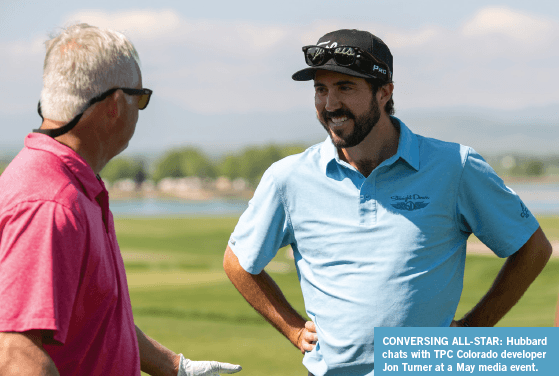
(298, 337)
(176, 364)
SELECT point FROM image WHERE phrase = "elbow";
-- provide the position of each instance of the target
(538, 249)
(225, 261)
(545, 248)
(233, 269)
(543, 254)
(229, 259)
(548, 251)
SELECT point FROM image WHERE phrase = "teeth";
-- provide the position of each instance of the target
(339, 120)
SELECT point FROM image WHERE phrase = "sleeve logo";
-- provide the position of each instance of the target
(525, 212)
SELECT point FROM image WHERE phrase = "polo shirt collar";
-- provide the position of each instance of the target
(328, 154)
(408, 146)
(76, 164)
(408, 149)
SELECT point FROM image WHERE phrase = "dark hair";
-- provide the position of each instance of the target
(375, 85)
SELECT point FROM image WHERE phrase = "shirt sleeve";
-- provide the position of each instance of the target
(263, 228)
(490, 209)
(41, 253)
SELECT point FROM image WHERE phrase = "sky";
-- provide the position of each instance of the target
(221, 70)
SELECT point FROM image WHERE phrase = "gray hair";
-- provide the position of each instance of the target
(82, 62)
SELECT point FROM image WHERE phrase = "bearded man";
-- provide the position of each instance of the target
(378, 218)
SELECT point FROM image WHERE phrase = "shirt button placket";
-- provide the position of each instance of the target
(367, 204)
(362, 211)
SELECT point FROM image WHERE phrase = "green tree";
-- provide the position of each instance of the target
(230, 166)
(184, 162)
(293, 149)
(252, 162)
(535, 167)
(124, 168)
(255, 161)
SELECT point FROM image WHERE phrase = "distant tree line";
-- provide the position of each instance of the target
(249, 164)
(517, 165)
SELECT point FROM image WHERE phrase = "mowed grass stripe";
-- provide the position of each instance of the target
(174, 279)
(196, 315)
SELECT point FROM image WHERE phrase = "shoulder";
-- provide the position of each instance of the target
(461, 165)
(443, 152)
(35, 177)
(37, 219)
(434, 145)
(291, 167)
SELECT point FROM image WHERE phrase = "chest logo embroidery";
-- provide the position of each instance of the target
(409, 202)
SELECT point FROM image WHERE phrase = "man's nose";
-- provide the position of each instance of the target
(332, 101)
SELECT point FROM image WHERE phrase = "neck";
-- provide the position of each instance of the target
(85, 141)
(379, 145)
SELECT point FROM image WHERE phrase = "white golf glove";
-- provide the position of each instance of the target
(189, 367)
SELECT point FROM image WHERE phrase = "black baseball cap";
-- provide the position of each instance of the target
(354, 38)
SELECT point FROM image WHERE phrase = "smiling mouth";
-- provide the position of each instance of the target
(338, 121)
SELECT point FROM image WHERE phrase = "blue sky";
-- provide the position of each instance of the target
(220, 70)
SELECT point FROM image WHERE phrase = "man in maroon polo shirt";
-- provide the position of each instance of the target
(64, 302)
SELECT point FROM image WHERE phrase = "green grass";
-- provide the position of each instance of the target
(182, 298)
(550, 225)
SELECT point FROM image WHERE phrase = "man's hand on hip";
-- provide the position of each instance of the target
(308, 337)
(189, 367)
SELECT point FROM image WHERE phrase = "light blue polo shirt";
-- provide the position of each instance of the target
(386, 250)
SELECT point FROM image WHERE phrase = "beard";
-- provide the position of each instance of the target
(362, 125)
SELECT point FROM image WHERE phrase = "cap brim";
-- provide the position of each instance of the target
(307, 74)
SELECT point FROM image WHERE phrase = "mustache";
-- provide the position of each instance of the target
(338, 113)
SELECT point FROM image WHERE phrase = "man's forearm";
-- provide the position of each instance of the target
(156, 359)
(262, 293)
(514, 278)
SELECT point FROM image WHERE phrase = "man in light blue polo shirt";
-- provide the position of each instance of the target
(378, 219)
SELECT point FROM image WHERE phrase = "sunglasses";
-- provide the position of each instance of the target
(145, 95)
(347, 56)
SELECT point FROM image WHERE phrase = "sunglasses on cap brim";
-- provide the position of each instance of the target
(347, 56)
(145, 95)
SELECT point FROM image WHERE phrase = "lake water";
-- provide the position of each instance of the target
(539, 198)
(153, 207)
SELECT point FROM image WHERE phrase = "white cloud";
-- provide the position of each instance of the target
(168, 27)
(520, 26)
(144, 24)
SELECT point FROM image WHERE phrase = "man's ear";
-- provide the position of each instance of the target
(385, 93)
